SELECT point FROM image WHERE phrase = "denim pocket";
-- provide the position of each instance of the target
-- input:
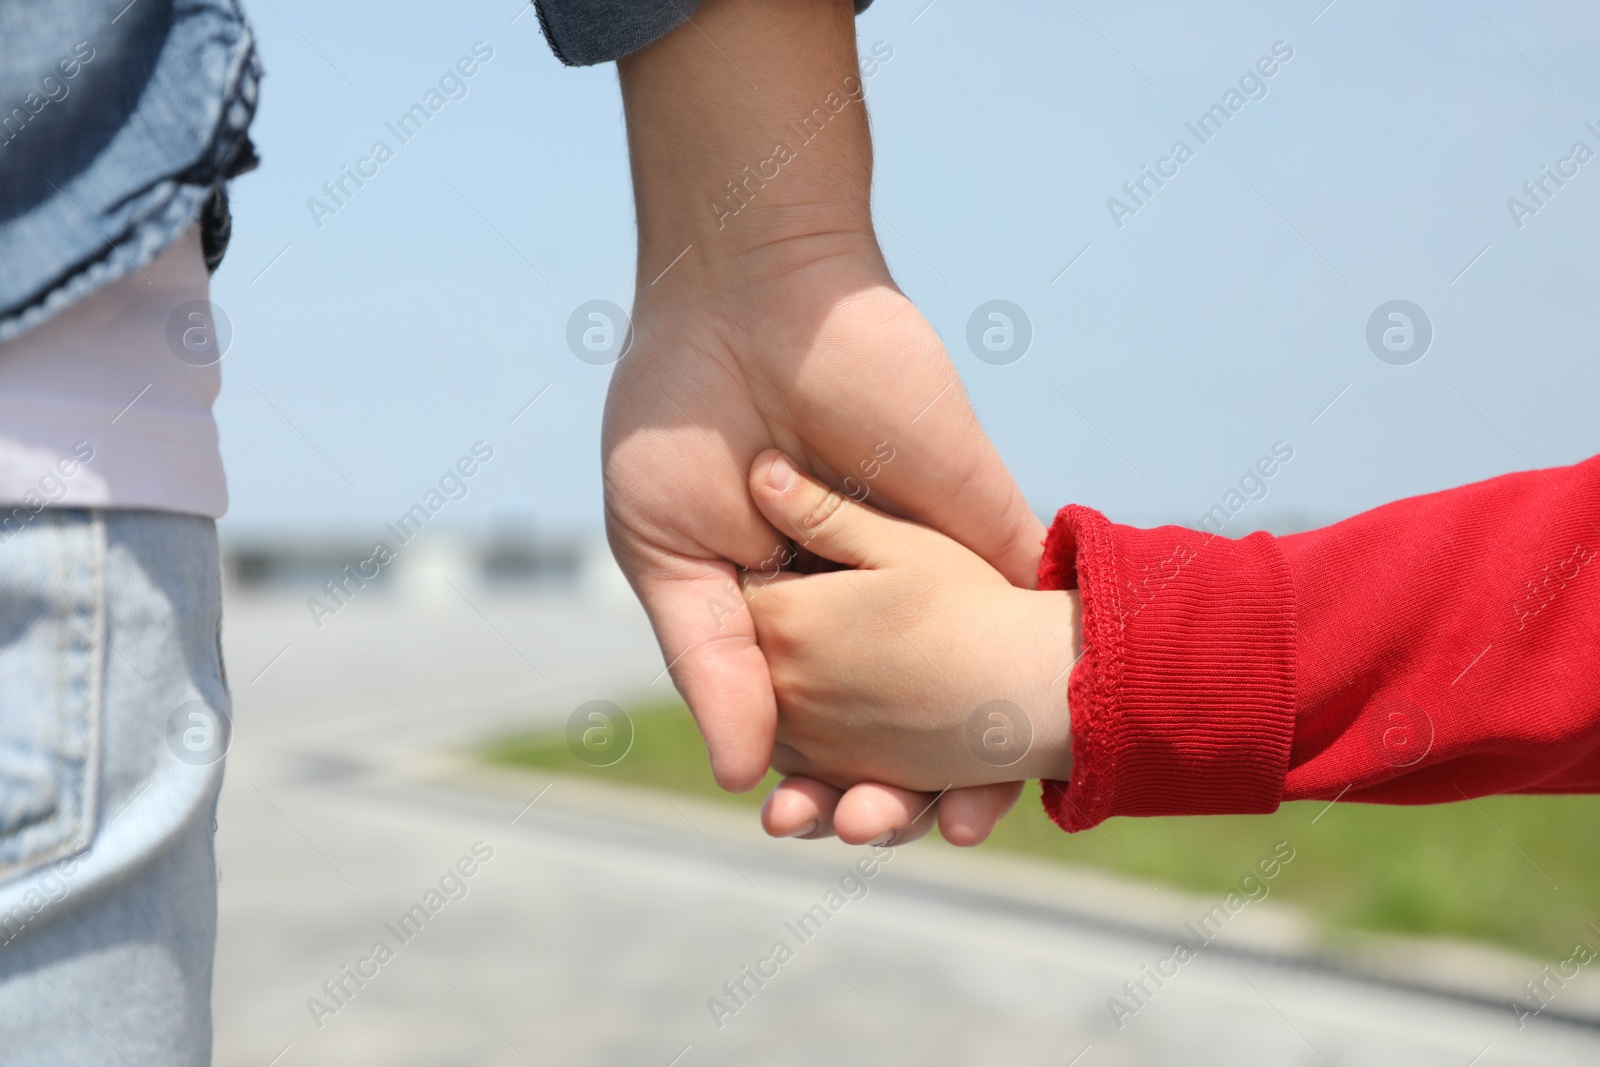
(52, 660)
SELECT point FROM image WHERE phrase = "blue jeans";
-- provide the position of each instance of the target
(114, 718)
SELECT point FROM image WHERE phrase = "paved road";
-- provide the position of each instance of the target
(603, 921)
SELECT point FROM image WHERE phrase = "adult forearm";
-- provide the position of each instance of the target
(747, 132)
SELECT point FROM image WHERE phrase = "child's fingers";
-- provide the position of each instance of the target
(966, 816)
(800, 807)
(870, 812)
(820, 520)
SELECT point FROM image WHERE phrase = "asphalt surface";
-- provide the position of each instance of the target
(599, 926)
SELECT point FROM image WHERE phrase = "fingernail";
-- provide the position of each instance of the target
(882, 840)
(807, 830)
(781, 474)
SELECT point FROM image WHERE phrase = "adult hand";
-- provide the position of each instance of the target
(765, 317)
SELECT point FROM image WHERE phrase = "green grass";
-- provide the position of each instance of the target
(667, 752)
(1486, 871)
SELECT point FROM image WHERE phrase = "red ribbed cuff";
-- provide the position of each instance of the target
(1183, 700)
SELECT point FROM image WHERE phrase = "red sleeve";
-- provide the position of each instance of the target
(1436, 648)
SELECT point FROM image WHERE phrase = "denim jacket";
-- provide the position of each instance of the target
(119, 125)
(581, 32)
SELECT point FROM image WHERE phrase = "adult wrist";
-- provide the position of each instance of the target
(749, 143)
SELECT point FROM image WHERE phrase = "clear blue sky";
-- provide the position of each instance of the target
(1222, 317)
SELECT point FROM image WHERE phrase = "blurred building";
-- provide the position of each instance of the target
(507, 560)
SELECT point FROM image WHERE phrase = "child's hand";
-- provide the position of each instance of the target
(922, 667)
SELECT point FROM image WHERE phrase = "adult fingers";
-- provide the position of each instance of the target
(872, 812)
(709, 641)
(800, 807)
(968, 816)
(890, 411)
(869, 812)
(957, 484)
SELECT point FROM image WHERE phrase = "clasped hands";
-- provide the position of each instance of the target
(808, 627)
(917, 666)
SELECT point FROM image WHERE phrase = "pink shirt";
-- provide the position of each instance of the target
(98, 408)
